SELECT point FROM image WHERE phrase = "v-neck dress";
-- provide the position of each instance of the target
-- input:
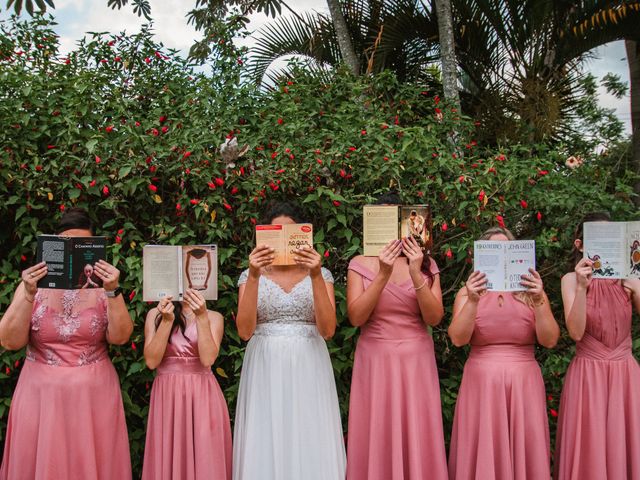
(188, 431)
(287, 417)
(395, 416)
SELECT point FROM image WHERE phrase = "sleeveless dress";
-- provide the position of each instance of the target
(188, 431)
(287, 416)
(598, 435)
(395, 416)
(66, 419)
(500, 425)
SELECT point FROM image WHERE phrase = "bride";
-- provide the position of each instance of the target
(287, 418)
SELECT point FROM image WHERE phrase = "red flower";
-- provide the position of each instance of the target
(61, 207)
(7, 371)
(253, 221)
(147, 60)
(38, 168)
(187, 171)
(133, 346)
(121, 231)
(273, 186)
(549, 398)
(352, 149)
(449, 254)
(227, 206)
(539, 216)
(343, 173)
(219, 181)
(155, 132)
(162, 119)
(481, 195)
(492, 170)
(165, 129)
(280, 121)
(117, 59)
(282, 170)
(326, 254)
(194, 201)
(16, 364)
(542, 173)
(105, 190)
(23, 258)
(274, 155)
(384, 126)
(501, 157)
(524, 204)
(436, 99)
(553, 412)
(212, 185)
(336, 203)
(234, 190)
(50, 147)
(178, 206)
(118, 239)
(363, 132)
(153, 188)
(132, 295)
(500, 221)
(98, 159)
(92, 183)
(444, 227)
(153, 168)
(108, 129)
(461, 179)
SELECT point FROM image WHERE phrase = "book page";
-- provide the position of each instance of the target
(200, 269)
(296, 235)
(489, 258)
(160, 272)
(379, 227)
(84, 254)
(520, 256)
(604, 244)
(272, 235)
(633, 249)
(415, 220)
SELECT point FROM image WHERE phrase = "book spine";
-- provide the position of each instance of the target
(180, 274)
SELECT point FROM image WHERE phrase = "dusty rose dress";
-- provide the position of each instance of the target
(188, 431)
(66, 419)
(599, 424)
(395, 415)
(500, 427)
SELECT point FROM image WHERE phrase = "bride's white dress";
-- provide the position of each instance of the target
(287, 417)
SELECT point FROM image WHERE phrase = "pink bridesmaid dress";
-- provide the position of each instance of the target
(395, 415)
(188, 431)
(66, 419)
(598, 434)
(500, 426)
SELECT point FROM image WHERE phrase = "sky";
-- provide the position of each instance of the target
(75, 17)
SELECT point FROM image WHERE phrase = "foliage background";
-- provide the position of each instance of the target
(129, 131)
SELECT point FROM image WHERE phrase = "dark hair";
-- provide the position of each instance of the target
(576, 255)
(392, 198)
(178, 321)
(284, 209)
(75, 218)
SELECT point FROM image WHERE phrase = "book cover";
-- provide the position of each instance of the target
(614, 248)
(285, 239)
(384, 223)
(504, 262)
(70, 261)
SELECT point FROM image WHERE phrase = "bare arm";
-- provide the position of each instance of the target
(210, 326)
(633, 286)
(120, 325)
(155, 340)
(574, 298)
(247, 316)
(429, 297)
(465, 309)
(16, 322)
(547, 330)
(324, 300)
(360, 301)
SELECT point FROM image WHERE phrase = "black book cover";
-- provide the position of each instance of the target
(70, 261)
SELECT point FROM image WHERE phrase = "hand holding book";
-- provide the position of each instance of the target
(306, 256)
(166, 309)
(413, 252)
(108, 274)
(261, 256)
(30, 278)
(584, 273)
(476, 286)
(388, 255)
(533, 284)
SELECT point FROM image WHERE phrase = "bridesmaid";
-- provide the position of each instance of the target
(188, 432)
(395, 419)
(500, 426)
(598, 434)
(66, 419)
(287, 416)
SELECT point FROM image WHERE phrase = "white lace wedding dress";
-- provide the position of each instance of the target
(287, 417)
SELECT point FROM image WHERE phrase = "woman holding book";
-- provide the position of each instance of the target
(395, 419)
(188, 431)
(287, 416)
(500, 426)
(66, 418)
(599, 423)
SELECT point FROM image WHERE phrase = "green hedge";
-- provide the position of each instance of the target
(127, 130)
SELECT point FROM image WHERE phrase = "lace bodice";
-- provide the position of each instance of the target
(277, 306)
(68, 327)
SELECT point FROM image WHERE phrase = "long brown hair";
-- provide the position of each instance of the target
(179, 322)
(576, 255)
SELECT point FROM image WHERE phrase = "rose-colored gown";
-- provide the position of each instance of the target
(188, 431)
(598, 434)
(66, 419)
(500, 427)
(395, 415)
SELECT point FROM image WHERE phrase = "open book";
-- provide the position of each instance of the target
(169, 270)
(383, 223)
(70, 261)
(285, 239)
(504, 262)
(614, 248)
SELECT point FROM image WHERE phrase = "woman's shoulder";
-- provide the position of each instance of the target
(363, 261)
(243, 277)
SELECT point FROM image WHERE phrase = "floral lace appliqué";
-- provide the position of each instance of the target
(91, 355)
(67, 322)
(51, 358)
(97, 324)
